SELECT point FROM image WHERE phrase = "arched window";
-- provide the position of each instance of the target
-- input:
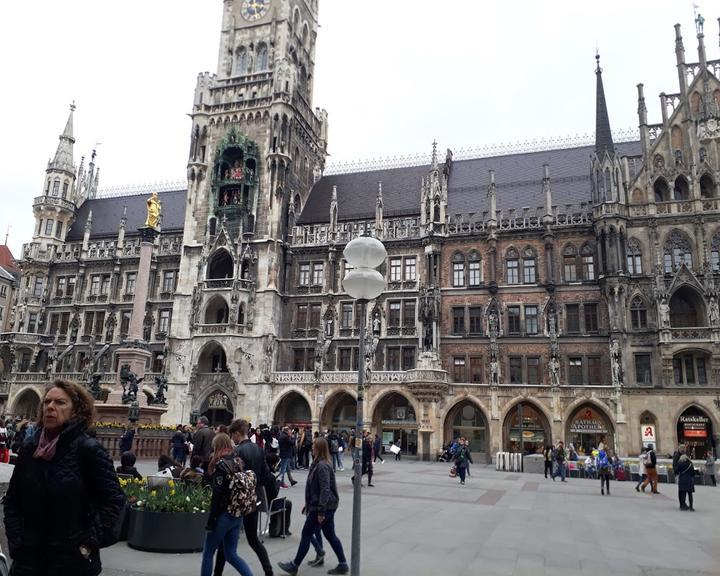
(678, 251)
(305, 35)
(587, 255)
(220, 265)
(570, 263)
(707, 186)
(529, 266)
(686, 309)
(634, 257)
(638, 313)
(662, 190)
(682, 189)
(715, 253)
(474, 268)
(512, 266)
(56, 188)
(212, 226)
(241, 315)
(458, 269)
(607, 185)
(217, 311)
(261, 63)
(296, 20)
(241, 58)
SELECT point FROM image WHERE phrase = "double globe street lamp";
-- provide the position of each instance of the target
(363, 283)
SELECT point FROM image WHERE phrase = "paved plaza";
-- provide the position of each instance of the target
(418, 521)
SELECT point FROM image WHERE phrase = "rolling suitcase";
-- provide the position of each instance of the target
(276, 520)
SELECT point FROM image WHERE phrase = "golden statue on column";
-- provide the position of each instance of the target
(153, 211)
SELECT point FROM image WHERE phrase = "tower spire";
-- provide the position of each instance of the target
(603, 135)
(63, 159)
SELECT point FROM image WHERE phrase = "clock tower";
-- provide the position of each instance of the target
(256, 147)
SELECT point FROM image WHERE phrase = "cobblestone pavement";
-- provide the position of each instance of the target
(418, 521)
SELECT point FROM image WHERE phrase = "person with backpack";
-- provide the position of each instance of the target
(603, 468)
(253, 459)
(334, 443)
(462, 457)
(685, 473)
(651, 471)
(560, 461)
(321, 502)
(233, 492)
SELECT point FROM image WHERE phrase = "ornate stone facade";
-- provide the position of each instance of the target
(520, 288)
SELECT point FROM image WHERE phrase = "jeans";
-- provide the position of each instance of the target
(340, 462)
(681, 496)
(461, 473)
(642, 479)
(285, 467)
(178, 455)
(605, 481)
(560, 471)
(336, 460)
(226, 531)
(328, 529)
(250, 524)
(317, 541)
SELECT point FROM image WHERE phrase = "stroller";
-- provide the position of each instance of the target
(445, 454)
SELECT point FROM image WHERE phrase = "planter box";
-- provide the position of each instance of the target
(172, 532)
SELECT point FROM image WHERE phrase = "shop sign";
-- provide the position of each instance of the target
(695, 426)
(398, 423)
(588, 423)
(648, 434)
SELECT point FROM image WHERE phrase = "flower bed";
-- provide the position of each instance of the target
(169, 519)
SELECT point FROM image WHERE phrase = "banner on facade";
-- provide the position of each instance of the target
(648, 434)
(695, 425)
(588, 423)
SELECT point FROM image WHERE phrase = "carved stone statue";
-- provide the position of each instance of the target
(494, 372)
(268, 358)
(428, 336)
(493, 325)
(554, 369)
(162, 386)
(376, 324)
(321, 347)
(664, 312)
(615, 364)
(714, 313)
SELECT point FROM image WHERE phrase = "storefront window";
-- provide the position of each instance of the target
(588, 428)
(470, 423)
(694, 429)
(533, 430)
(398, 423)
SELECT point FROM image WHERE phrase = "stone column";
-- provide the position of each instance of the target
(134, 353)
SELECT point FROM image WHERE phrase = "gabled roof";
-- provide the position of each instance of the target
(107, 212)
(7, 261)
(518, 177)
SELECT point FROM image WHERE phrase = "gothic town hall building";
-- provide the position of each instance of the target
(566, 293)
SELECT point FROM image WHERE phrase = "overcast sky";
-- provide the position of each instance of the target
(393, 76)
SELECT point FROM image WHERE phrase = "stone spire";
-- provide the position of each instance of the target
(547, 193)
(434, 156)
(603, 135)
(86, 235)
(493, 200)
(333, 214)
(121, 230)
(63, 159)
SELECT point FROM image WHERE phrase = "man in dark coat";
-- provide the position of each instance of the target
(126, 440)
(286, 455)
(202, 441)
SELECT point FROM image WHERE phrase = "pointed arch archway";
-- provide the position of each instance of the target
(212, 358)
(217, 310)
(293, 409)
(687, 308)
(220, 265)
(217, 407)
(587, 425)
(27, 403)
(467, 418)
(536, 431)
(696, 429)
(395, 418)
(339, 411)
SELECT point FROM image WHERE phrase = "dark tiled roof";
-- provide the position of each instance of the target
(108, 211)
(518, 178)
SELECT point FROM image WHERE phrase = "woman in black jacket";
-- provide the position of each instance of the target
(321, 502)
(685, 472)
(64, 498)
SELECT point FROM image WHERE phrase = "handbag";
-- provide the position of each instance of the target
(453, 471)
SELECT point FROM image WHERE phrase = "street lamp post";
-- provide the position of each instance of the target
(363, 283)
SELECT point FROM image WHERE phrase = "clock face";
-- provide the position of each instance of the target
(253, 10)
